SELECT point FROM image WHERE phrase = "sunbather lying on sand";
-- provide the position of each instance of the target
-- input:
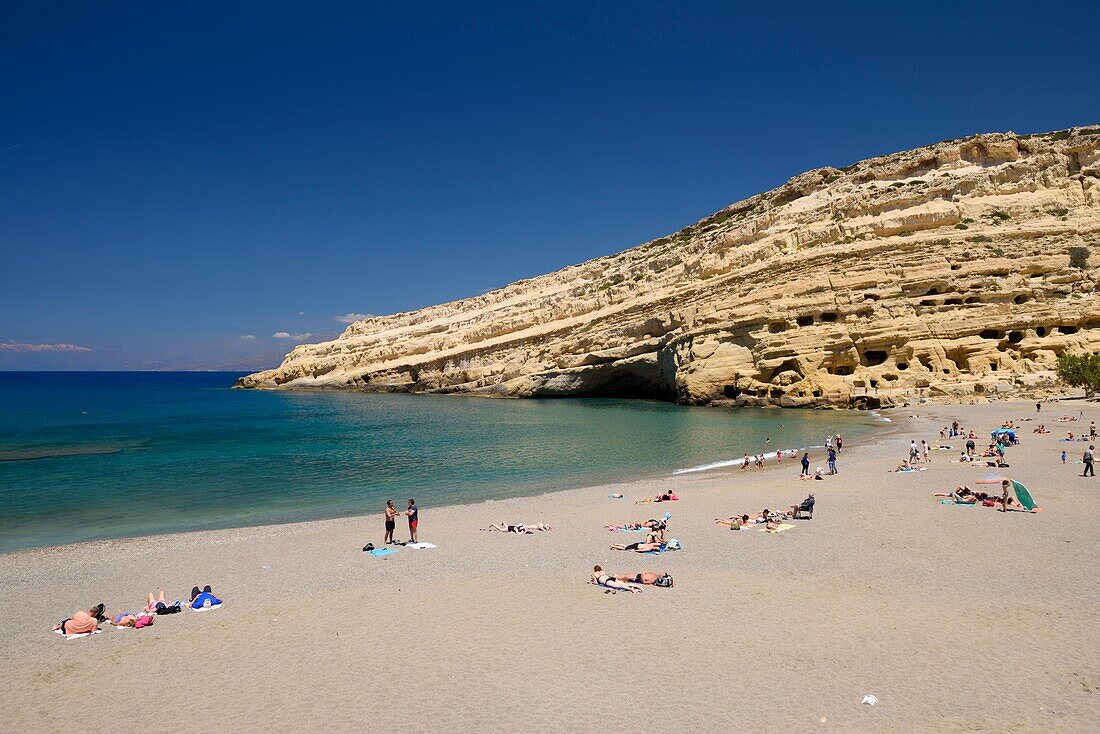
(519, 528)
(157, 604)
(664, 497)
(599, 578)
(654, 541)
(647, 578)
(740, 522)
(906, 466)
(962, 495)
(80, 623)
(648, 524)
(818, 475)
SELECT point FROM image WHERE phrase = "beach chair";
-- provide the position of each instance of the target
(804, 510)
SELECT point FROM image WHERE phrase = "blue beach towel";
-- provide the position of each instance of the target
(382, 552)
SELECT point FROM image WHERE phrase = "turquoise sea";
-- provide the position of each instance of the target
(110, 454)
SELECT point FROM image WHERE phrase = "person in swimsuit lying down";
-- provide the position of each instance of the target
(648, 524)
(757, 517)
(654, 541)
(599, 578)
(519, 528)
(80, 623)
(647, 578)
(663, 497)
(962, 495)
(155, 604)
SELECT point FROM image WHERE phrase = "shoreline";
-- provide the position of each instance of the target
(874, 433)
(882, 587)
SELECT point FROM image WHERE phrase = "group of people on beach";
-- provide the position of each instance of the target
(88, 622)
(768, 518)
(412, 512)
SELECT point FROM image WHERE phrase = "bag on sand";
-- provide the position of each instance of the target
(665, 581)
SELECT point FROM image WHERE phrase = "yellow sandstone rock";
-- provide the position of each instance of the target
(963, 267)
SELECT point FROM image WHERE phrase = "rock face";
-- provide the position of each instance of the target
(963, 267)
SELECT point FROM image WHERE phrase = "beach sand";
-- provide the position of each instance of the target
(956, 618)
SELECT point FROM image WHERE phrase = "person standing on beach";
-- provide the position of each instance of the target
(414, 519)
(1092, 429)
(1087, 461)
(924, 450)
(832, 462)
(391, 521)
(970, 445)
(839, 444)
(806, 464)
(1063, 457)
(1038, 407)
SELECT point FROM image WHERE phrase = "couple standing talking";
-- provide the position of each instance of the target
(391, 520)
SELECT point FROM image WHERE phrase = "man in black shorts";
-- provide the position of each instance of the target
(391, 522)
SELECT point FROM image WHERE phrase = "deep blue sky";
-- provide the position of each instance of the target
(173, 178)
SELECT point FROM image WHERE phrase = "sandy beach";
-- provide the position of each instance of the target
(955, 618)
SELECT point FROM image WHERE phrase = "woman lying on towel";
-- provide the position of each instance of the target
(653, 542)
(736, 523)
(962, 495)
(648, 524)
(664, 497)
(519, 528)
(599, 578)
(158, 605)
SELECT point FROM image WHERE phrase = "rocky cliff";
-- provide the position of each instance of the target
(962, 267)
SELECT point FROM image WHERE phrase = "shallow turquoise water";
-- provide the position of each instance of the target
(100, 455)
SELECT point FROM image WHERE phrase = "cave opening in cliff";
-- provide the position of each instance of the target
(805, 320)
(873, 357)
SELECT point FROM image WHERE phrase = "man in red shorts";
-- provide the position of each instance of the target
(413, 513)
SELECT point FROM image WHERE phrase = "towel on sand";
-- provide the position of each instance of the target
(419, 545)
(82, 634)
(382, 552)
(779, 529)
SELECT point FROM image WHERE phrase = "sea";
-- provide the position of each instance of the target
(93, 455)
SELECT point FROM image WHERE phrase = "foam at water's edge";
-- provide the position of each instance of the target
(788, 454)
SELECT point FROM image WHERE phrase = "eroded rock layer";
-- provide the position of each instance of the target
(963, 267)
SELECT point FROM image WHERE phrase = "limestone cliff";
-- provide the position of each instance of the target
(961, 267)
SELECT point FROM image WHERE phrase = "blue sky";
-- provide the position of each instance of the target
(175, 178)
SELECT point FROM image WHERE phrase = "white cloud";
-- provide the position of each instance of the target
(22, 348)
(295, 337)
(247, 337)
(301, 313)
(352, 317)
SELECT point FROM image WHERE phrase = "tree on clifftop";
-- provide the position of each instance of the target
(1080, 370)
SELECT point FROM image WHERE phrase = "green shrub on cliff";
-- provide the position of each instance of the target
(1080, 370)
